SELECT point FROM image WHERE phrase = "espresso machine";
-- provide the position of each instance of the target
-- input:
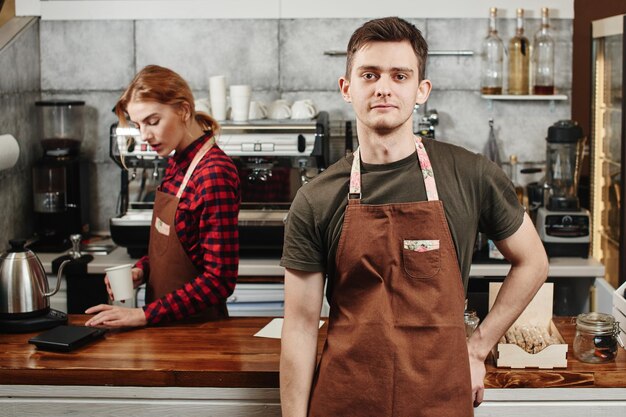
(562, 224)
(141, 172)
(60, 177)
(274, 159)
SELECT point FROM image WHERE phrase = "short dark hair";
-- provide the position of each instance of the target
(388, 29)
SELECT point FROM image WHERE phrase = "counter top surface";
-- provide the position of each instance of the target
(226, 354)
(559, 267)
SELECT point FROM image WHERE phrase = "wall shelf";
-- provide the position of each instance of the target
(526, 97)
(430, 53)
(551, 97)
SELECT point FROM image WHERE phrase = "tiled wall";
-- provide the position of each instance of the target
(95, 60)
(19, 89)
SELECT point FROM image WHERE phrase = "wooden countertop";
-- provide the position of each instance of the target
(226, 354)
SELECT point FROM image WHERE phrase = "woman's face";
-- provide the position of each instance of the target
(161, 125)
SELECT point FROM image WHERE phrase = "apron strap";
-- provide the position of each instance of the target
(424, 162)
(427, 170)
(203, 150)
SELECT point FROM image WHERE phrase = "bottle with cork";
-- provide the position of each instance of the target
(543, 57)
(519, 189)
(492, 53)
(519, 58)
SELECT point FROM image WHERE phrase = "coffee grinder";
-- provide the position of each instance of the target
(562, 224)
(60, 177)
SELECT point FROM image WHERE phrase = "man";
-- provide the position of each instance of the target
(393, 227)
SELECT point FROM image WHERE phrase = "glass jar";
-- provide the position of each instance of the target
(596, 337)
(471, 322)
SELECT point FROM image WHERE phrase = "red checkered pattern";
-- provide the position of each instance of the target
(206, 224)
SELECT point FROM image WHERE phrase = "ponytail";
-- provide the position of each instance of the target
(207, 123)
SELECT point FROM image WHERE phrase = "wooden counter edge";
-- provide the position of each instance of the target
(577, 375)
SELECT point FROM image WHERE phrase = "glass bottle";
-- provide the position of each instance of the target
(492, 59)
(519, 58)
(471, 322)
(416, 119)
(543, 57)
(519, 190)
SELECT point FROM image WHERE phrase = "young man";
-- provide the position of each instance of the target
(393, 228)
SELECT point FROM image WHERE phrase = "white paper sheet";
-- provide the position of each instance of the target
(273, 329)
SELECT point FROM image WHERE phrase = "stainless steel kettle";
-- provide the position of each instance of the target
(23, 283)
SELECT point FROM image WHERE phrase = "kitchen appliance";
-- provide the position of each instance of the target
(562, 224)
(60, 177)
(274, 159)
(608, 147)
(24, 296)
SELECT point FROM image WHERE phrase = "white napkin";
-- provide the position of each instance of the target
(273, 329)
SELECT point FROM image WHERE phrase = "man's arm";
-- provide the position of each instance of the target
(529, 270)
(303, 303)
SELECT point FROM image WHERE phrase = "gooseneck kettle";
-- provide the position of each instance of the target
(24, 290)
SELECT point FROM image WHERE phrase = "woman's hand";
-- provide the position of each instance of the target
(138, 279)
(115, 317)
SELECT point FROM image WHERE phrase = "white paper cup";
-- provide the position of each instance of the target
(240, 102)
(121, 280)
(217, 95)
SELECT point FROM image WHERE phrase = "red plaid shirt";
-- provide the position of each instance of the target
(206, 224)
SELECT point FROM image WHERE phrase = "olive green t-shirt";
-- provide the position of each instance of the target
(476, 194)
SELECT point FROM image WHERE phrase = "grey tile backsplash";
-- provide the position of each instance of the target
(95, 60)
(19, 89)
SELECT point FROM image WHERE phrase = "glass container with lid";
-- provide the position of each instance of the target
(596, 339)
(62, 126)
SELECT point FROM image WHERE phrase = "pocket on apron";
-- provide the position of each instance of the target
(421, 258)
(160, 236)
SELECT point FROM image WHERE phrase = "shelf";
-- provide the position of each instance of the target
(523, 97)
(455, 52)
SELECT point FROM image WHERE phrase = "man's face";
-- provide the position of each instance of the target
(384, 85)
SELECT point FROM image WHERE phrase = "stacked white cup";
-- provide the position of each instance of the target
(240, 102)
(217, 94)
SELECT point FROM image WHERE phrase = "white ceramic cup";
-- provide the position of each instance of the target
(240, 102)
(203, 105)
(258, 110)
(217, 94)
(279, 109)
(121, 280)
(303, 109)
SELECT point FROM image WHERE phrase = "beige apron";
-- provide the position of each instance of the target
(170, 266)
(396, 339)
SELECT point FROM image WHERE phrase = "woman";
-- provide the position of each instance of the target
(192, 260)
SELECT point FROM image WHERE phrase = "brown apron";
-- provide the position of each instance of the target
(170, 266)
(396, 338)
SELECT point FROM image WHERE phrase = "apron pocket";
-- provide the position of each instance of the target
(421, 258)
(159, 241)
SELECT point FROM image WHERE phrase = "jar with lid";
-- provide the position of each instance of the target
(596, 337)
(471, 322)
